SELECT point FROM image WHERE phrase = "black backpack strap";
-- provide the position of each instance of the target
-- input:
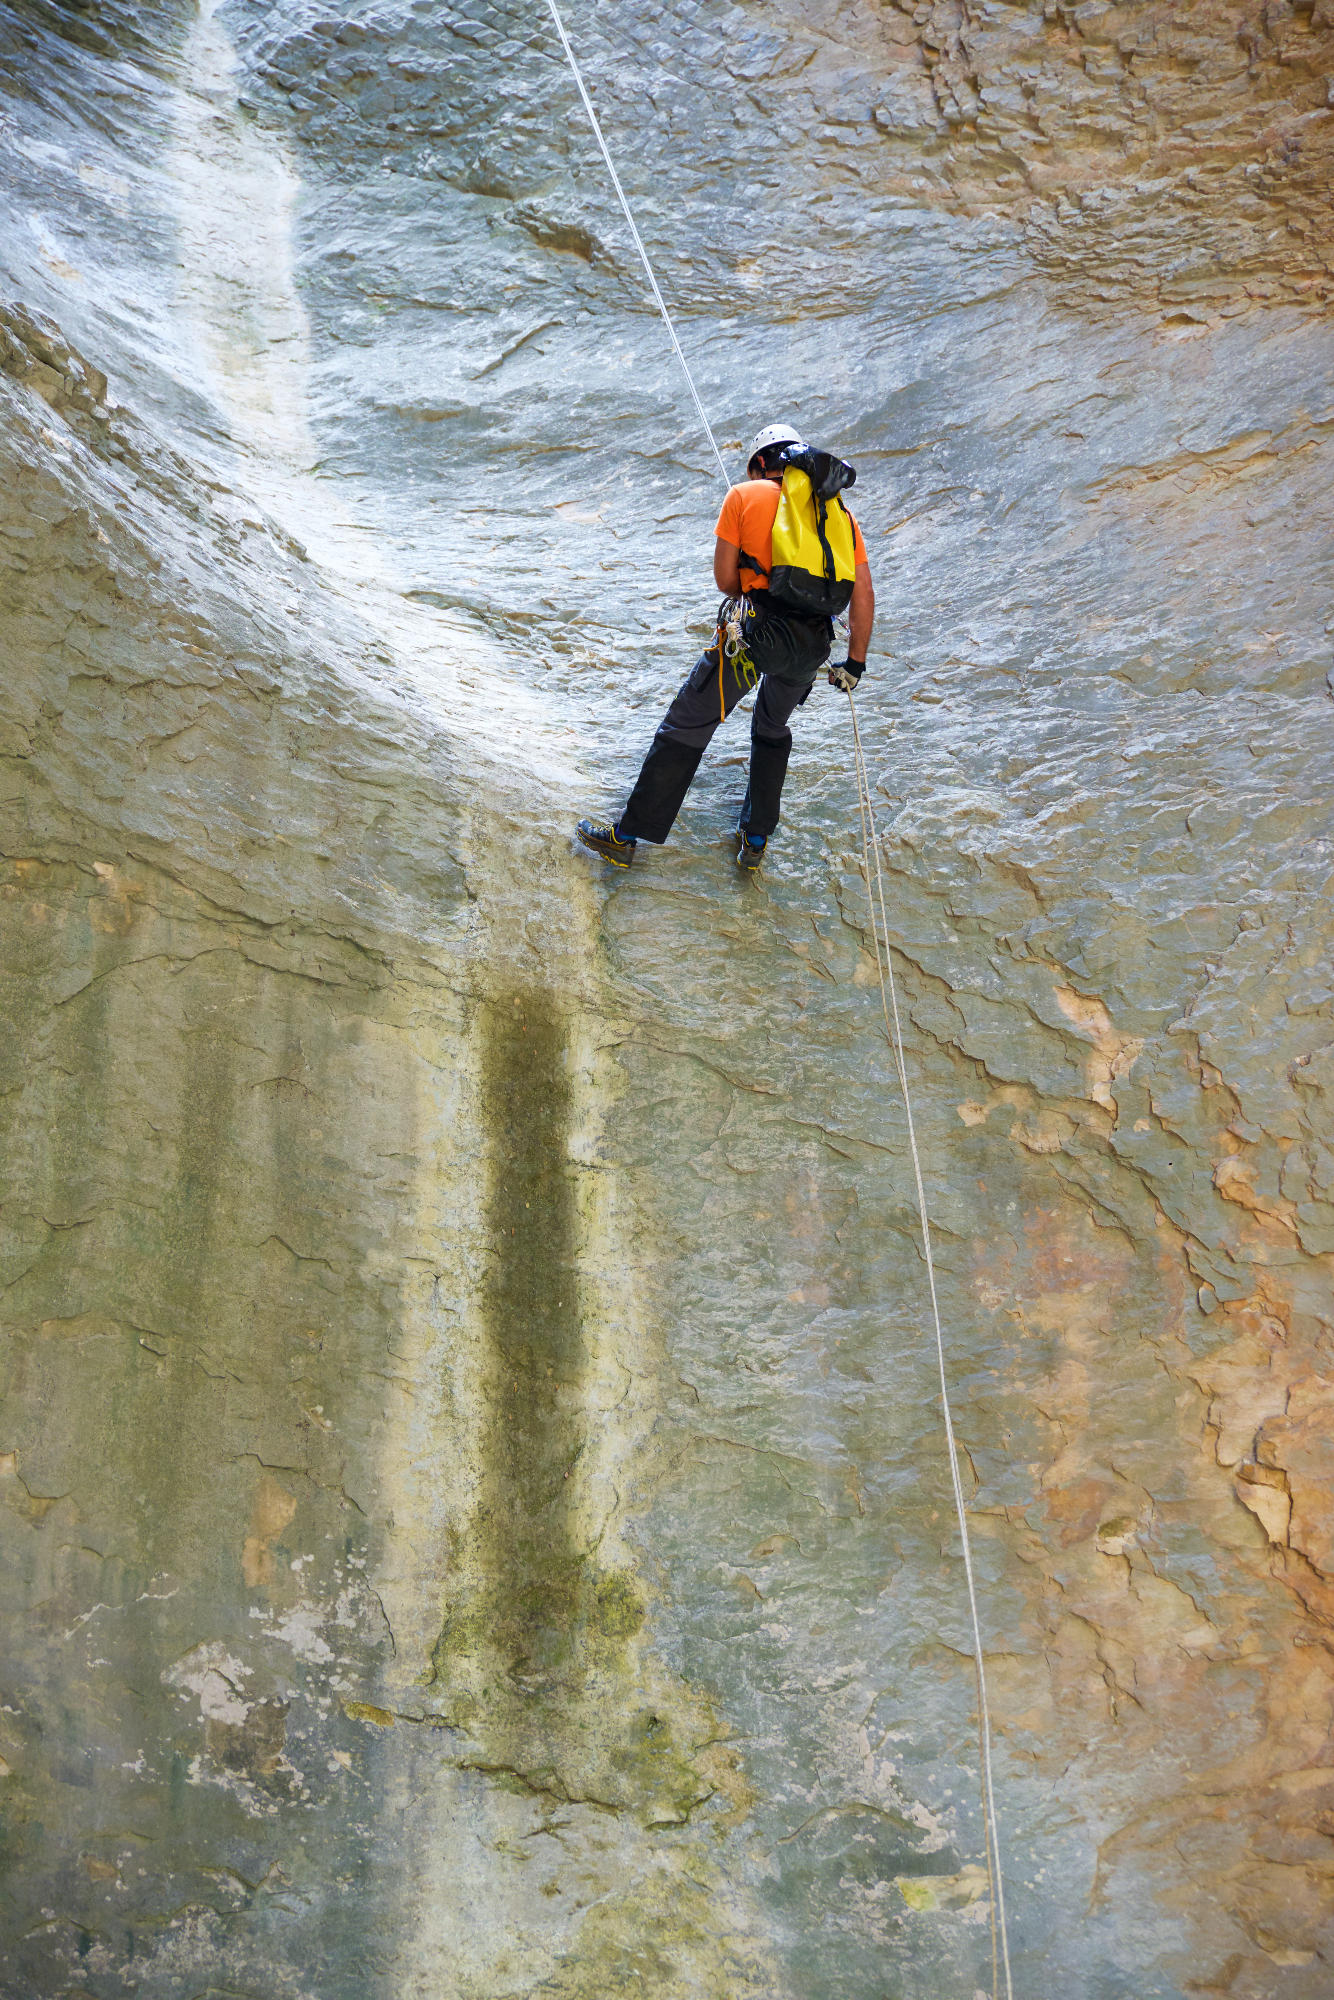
(749, 562)
(821, 511)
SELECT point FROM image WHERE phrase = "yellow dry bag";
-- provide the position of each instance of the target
(814, 550)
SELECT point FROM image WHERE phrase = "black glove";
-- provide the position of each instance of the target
(846, 675)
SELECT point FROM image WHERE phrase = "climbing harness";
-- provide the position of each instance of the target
(729, 632)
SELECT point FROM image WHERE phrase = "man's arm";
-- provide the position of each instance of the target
(727, 568)
(861, 612)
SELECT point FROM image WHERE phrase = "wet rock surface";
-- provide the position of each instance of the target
(476, 1518)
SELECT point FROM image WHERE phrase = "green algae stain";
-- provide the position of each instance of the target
(667, 1934)
(620, 1612)
(534, 1651)
(533, 1569)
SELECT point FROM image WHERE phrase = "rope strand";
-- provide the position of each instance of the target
(639, 243)
(889, 1001)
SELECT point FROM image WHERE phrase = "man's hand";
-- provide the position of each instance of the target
(846, 675)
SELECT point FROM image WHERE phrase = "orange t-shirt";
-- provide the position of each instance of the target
(747, 522)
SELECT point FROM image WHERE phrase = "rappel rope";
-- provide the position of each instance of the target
(639, 243)
(889, 1001)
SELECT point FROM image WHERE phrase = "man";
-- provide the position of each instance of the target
(779, 649)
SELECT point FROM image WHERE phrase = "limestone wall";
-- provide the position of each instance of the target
(476, 1518)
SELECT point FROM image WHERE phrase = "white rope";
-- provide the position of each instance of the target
(639, 244)
(889, 1001)
(890, 1004)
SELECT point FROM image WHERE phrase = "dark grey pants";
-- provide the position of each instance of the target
(707, 697)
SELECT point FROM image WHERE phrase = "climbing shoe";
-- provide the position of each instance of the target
(605, 840)
(751, 851)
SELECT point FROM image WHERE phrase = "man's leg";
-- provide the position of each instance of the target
(707, 697)
(664, 779)
(770, 748)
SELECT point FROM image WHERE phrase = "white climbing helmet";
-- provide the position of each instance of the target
(771, 435)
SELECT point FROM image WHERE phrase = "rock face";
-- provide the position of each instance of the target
(476, 1515)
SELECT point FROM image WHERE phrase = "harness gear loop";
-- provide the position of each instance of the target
(730, 640)
(732, 617)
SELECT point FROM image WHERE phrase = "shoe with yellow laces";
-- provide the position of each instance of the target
(607, 842)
